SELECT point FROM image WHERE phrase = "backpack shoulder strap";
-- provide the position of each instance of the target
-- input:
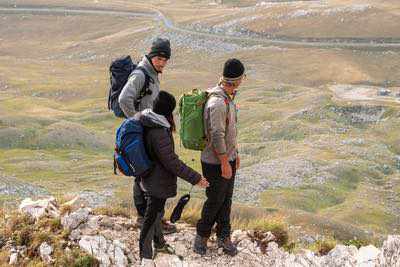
(145, 89)
(226, 101)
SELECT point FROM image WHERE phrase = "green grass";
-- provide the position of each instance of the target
(311, 199)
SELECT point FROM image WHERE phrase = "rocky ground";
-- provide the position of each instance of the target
(11, 188)
(113, 241)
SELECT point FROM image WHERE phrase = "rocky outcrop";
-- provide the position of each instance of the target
(113, 241)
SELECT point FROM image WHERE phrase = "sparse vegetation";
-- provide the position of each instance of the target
(114, 211)
(355, 242)
(322, 247)
(57, 135)
(24, 231)
(242, 218)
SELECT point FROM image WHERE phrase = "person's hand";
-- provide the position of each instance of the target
(203, 183)
(237, 162)
(226, 170)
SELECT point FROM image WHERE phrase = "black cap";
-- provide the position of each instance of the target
(164, 104)
(160, 47)
(233, 69)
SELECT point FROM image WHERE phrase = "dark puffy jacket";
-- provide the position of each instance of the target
(162, 180)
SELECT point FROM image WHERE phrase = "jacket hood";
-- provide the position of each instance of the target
(146, 64)
(153, 120)
(218, 90)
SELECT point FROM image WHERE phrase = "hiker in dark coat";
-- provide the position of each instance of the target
(161, 182)
(153, 64)
(220, 159)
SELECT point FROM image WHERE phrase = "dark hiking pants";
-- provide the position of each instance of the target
(139, 198)
(151, 230)
(217, 207)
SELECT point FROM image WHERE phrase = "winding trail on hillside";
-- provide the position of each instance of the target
(386, 44)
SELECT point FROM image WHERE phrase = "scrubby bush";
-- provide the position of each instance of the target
(322, 247)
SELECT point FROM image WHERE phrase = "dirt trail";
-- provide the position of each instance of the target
(158, 15)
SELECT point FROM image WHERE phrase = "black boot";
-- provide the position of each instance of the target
(200, 245)
(227, 246)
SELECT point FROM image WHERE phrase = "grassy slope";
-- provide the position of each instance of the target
(54, 103)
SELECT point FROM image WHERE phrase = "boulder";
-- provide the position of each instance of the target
(73, 220)
(39, 208)
(390, 253)
(109, 253)
(341, 256)
(98, 247)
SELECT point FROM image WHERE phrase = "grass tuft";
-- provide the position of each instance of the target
(114, 211)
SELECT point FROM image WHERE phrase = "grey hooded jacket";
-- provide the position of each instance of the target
(133, 86)
(162, 180)
(220, 120)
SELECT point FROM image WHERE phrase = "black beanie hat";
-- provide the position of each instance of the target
(164, 104)
(160, 47)
(233, 69)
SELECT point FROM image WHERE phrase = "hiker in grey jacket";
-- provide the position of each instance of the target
(161, 182)
(220, 159)
(153, 64)
(131, 102)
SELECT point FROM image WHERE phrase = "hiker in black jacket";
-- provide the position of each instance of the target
(161, 182)
(153, 64)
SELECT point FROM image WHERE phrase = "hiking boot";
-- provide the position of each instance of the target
(164, 248)
(200, 245)
(227, 246)
(147, 263)
(167, 228)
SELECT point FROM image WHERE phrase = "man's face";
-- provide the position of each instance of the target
(159, 63)
(231, 88)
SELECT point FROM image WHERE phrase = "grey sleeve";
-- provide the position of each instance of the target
(129, 93)
(217, 125)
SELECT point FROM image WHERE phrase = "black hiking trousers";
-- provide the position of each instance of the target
(151, 230)
(139, 198)
(217, 207)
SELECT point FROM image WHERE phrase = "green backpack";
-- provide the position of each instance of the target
(191, 110)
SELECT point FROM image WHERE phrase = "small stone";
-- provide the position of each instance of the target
(75, 235)
(45, 251)
(13, 259)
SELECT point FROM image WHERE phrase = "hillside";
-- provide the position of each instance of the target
(318, 138)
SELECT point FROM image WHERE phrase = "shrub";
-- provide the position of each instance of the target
(355, 242)
(273, 225)
(322, 247)
(75, 258)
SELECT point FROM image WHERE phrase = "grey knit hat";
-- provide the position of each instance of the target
(160, 47)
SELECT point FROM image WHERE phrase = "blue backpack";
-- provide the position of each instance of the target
(130, 155)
